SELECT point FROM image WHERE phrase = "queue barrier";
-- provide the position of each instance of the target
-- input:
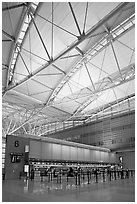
(89, 176)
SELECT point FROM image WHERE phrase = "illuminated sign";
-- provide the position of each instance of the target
(15, 157)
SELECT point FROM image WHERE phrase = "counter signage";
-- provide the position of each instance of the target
(16, 143)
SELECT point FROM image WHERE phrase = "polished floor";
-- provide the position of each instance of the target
(120, 190)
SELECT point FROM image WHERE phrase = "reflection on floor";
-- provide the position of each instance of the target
(122, 190)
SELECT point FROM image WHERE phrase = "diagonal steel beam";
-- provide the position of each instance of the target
(125, 45)
(56, 67)
(6, 40)
(89, 76)
(8, 35)
(116, 59)
(79, 50)
(57, 26)
(42, 84)
(33, 54)
(13, 7)
(24, 62)
(52, 36)
(85, 18)
(75, 18)
(40, 36)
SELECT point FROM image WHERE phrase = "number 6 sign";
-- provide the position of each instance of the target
(16, 143)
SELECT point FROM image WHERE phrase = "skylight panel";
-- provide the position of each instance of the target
(24, 27)
(15, 55)
(35, 4)
(118, 32)
(127, 25)
(104, 42)
(13, 61)
(98, 47)
(19, 41)
(21, 35)
(133, 21)
(12, 66)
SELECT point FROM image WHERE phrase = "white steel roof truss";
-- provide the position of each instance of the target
(80, 97)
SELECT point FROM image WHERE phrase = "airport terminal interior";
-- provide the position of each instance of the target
(68, 101)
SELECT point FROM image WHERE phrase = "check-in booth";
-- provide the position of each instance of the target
(21, 150)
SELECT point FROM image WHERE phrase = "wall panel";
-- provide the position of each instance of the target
(46, 150)
(66, 152)
(106, 157)
(86, 155)
(112, 158)
(73, 153)
(97, 156)
(80, 154)
(102, 156)
(104, 133)
(35, 149)
(56, 151)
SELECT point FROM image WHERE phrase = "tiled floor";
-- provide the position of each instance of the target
(122, 190)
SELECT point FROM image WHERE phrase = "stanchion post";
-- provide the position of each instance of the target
(67, 177)
(60, 176)
(122, 174)
(49, 177)
(115, 175)
(103, 176)
(88, 176)
(110, 175)
(79, 178)
(127, 173)
(118, 173)
(96, 177)
(41, 178)
(83, 175)
(76, 178)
